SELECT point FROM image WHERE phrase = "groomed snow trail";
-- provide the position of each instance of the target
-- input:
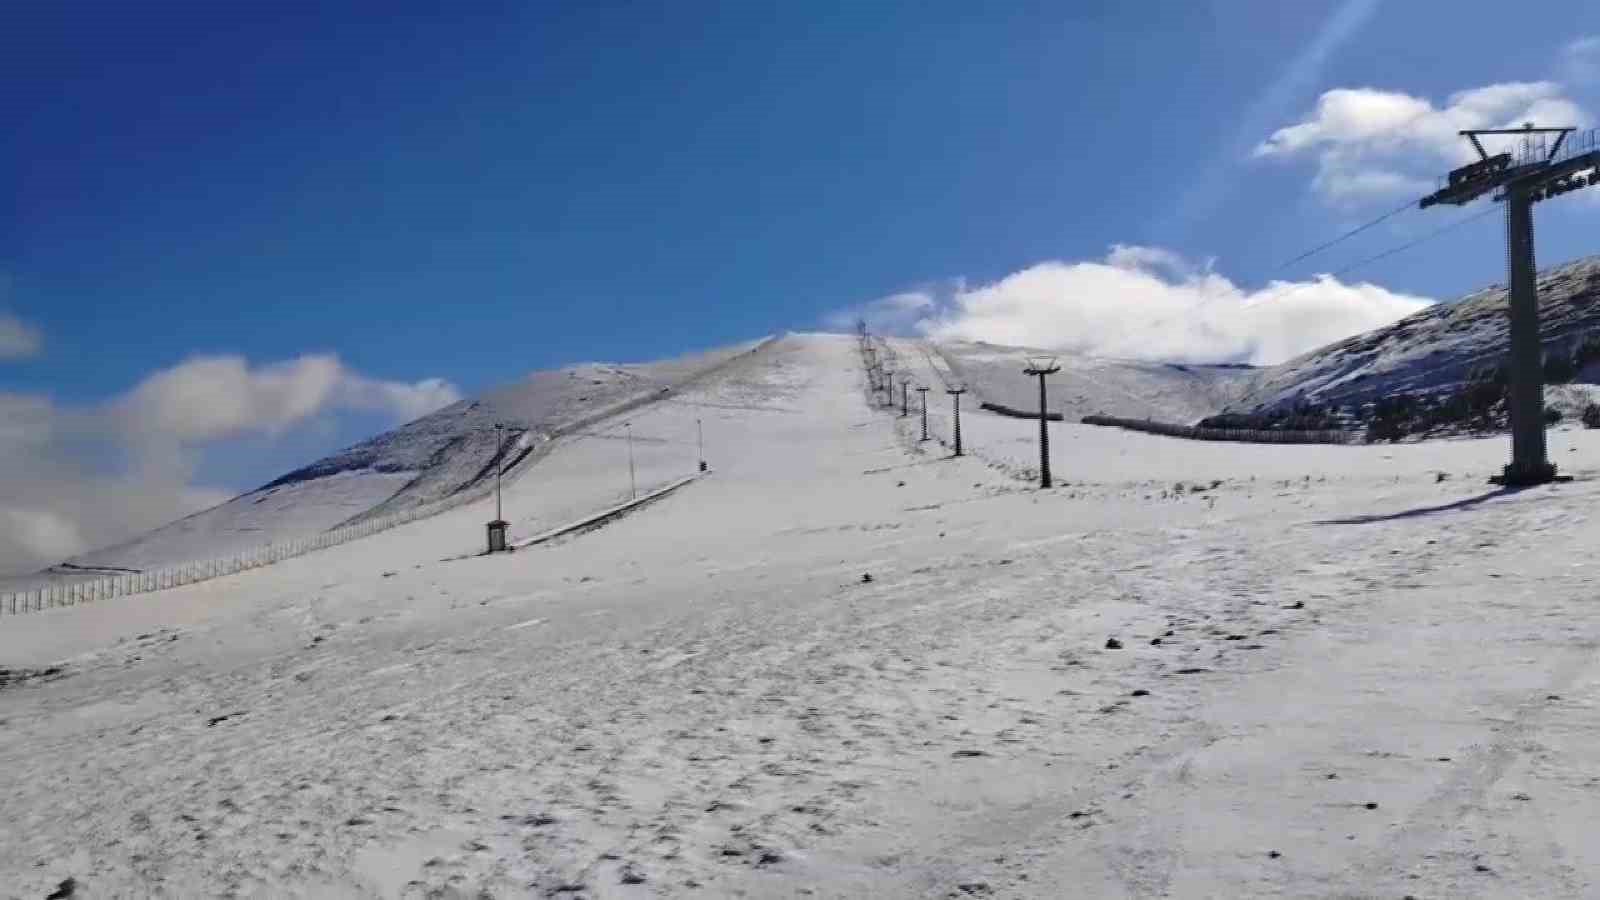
(707, 698)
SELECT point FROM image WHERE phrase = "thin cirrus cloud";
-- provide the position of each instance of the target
(1142, 303)
(1580, 60)
(75, 478)
(1372, 144)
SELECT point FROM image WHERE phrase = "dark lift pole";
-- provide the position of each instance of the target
(956, 393)
(1042, 366)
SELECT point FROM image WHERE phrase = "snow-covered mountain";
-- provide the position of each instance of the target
(452, 452)
(437, 457)
(1432, 349)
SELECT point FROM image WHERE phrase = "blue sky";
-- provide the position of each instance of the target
(469, 192)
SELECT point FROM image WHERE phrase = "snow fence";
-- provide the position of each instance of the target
(1244, 435)
(1002, 409)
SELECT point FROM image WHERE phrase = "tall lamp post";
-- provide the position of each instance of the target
(924, 392)
(956, 393)
(633, 483)
(1042, 366)
(700, 439)
(497, 528)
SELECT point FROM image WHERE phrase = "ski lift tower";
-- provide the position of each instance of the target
(955, 392)
(1040, 366)
(1537, 171)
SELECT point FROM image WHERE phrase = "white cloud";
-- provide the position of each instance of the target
(894, 314)
(1372, 143)
(77, 478)
(403, 400)
(18, 339)
(42, 534)
(1152, 304)
(215, 397)
(1134, 257)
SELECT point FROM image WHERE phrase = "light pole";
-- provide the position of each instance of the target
(633, 484)
(497, 528)
(499, 465)
(956, 393)
(700, 439)
(1042, 366)
(924, 392)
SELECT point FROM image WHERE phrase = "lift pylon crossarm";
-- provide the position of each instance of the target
(1561, 133)
(1482, 153)
(1492, 173)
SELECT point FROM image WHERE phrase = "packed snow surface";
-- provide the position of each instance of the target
(846, 664)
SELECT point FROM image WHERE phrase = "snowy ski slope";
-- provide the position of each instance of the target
(1331, 674)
